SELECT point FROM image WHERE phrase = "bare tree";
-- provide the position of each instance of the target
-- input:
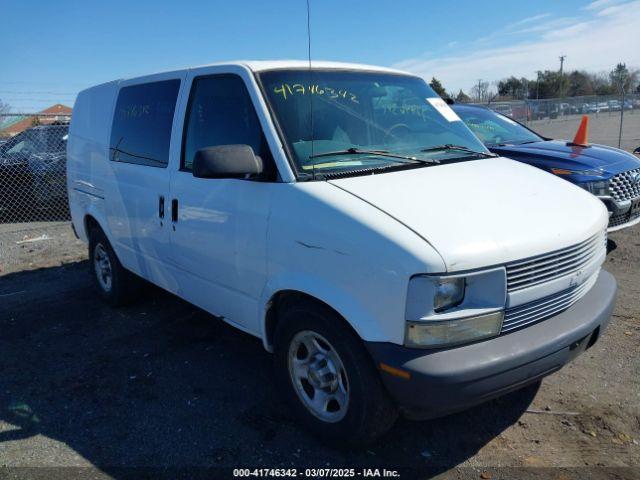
(4, 107)
(481, 92)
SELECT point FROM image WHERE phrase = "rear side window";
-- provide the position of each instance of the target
(221, 113)
(141, 131)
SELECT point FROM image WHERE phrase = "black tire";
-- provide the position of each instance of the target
(370, 412)
(124, 285)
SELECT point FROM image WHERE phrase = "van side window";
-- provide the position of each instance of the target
(221, 113)
(141, 130)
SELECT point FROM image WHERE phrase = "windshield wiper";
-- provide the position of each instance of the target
(460, 148)
(380, 153)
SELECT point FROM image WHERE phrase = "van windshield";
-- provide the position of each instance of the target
(362, 116)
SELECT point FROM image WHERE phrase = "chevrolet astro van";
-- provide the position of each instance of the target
(345, 216)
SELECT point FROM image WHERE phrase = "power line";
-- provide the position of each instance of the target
(18, 92)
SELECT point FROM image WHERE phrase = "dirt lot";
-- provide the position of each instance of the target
(162, 384)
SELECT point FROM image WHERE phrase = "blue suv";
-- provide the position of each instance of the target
(611, 174)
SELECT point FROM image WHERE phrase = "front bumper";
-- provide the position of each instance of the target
(620, 213)
(448, 380)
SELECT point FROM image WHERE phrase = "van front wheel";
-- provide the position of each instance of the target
(327, 376)
(116, 285)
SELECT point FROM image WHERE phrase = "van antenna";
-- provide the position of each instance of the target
(313, 165)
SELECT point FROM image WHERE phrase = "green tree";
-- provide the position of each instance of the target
(549, 84)
(462, 97)
(513, 87)
(438, 88)
(579, 84)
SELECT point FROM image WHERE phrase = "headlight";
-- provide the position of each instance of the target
(599, 188)
(452, 309)
(565, 171)
(449, 292)
(452, 332)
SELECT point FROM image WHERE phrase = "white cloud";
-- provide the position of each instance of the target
(595, 42)
(534, 18)
(599, 4)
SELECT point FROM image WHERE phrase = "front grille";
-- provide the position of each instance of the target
(617, 220)
(546, 267)
(625, 185)
(538, 310)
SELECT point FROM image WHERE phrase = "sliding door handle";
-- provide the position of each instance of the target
(174, 210)
(161, 206)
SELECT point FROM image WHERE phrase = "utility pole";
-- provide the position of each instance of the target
(621, 81)
(562, 57)
(479, 91)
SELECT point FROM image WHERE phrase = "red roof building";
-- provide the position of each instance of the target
(55, 113)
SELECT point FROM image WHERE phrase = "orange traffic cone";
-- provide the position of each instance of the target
(582, 135)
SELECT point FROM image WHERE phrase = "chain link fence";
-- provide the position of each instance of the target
(33, 170)
(33, 191)
(615, 119)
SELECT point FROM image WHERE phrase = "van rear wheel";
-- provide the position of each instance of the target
(327, 376)
(116, 285)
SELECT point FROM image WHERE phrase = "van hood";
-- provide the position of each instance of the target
(486, 212)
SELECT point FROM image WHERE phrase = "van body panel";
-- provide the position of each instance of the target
(348, 254)
(219, 244)
(87, 151)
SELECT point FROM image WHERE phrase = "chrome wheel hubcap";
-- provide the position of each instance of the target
(318, 376)
(102, 266)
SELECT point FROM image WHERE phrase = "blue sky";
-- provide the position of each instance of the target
(54, 49)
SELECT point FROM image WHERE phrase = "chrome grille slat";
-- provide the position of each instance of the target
(545, 277)
(538, 310)
(518, 265)
(551, 264)
(527, 308)
(532, 315)
(548, 256)
(536, 318)
(623, 185)
(546, 267)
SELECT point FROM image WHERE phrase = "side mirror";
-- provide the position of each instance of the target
(637, 151)
(226, 161)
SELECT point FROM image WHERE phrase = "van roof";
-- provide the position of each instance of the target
(262, 65)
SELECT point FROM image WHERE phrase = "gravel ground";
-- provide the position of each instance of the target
(161, 384)
(25, 246)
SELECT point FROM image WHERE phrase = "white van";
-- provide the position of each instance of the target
(347, 217)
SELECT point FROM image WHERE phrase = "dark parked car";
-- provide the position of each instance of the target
(32, 171)
(611, 174)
